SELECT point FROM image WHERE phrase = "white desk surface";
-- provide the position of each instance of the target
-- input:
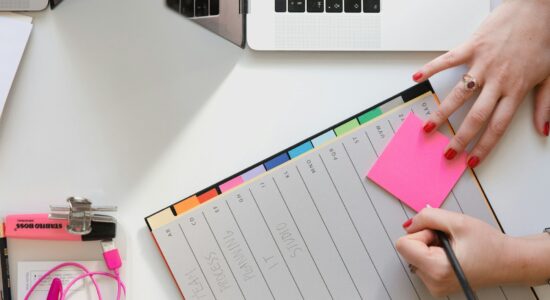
(129, 104)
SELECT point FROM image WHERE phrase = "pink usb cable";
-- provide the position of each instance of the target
(55, 290)
(113, 262)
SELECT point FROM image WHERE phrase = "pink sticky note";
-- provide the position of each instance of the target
(413, 168)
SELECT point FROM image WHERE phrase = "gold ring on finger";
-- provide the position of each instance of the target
(470, 82)
(412, 268)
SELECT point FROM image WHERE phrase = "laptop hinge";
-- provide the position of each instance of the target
(243, 6)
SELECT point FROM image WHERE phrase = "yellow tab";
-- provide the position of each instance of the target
(161, 218)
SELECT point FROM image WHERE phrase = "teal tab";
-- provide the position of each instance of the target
(303, 148)
(369, 115)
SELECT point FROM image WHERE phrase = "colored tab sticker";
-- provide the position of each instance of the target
(278, 160)
(186, 205)
(226, 186)
(323, 138)
(207, 195)
(161, 218)
(253, 173)
(369, 115)
(346, 127)
(303, 148)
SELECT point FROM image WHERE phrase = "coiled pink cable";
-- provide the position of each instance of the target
(87, 273)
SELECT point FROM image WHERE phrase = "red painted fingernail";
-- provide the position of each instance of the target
(450, 153)
(547, 128)
(429, 127)
(473, 161)
(407, 223)
(417, 76)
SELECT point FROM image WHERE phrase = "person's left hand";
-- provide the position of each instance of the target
(508, 56)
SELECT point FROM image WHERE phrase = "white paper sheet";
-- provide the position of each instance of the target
(29, 272)
(14, 34)
(14, 16)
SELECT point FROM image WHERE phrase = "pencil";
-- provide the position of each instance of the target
(6, 288)
(468, 292)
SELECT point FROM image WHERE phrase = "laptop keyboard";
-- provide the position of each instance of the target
(329, 6)
(195, 8)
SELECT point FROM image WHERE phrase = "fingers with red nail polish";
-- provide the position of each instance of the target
(407, 223)
(417, 76)
(429, 126)
(473, 161)
(542, 108)
(450, 153)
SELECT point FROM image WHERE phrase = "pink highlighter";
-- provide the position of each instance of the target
(41, 227)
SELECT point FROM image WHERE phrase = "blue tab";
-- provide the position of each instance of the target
(318, 141)
(280, 159)
(303, 148)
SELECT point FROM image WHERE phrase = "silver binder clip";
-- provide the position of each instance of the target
(80, 213)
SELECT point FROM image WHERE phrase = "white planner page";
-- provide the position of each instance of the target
(313, 228)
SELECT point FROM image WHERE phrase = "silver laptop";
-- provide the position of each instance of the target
(23, 5)
(339, 25)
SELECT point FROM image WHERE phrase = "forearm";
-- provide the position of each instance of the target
(529, 260)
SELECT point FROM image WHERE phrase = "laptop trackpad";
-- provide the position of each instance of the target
(336, 32)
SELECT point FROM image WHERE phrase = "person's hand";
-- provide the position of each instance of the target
(487, 256)
(508, 56)
(478, 247)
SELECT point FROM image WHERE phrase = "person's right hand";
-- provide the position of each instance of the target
(480, 249)
(487, 256)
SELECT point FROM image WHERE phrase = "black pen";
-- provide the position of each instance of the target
(470, 295)
(4, 266)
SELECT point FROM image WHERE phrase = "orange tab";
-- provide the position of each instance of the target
(185, 205)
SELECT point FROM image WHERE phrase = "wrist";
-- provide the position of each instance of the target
(528, 260)
(510, 263)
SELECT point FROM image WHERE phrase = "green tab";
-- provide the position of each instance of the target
(346, 127)
(369, 115)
